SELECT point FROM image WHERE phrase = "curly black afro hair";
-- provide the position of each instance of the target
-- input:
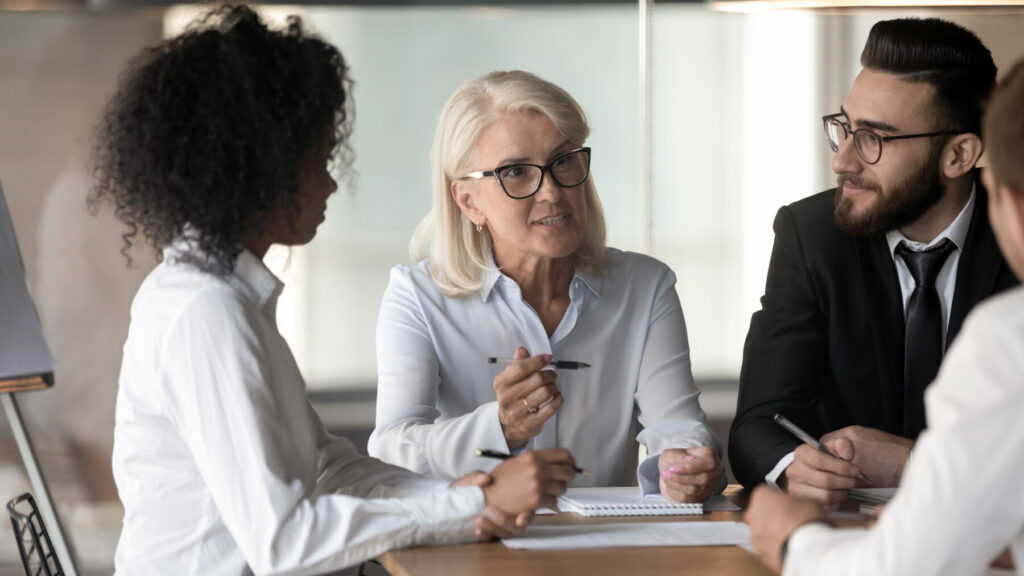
(207, 131)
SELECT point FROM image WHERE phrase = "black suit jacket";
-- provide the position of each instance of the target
(826, 348)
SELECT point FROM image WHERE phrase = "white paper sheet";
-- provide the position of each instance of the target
(631, 534)
(717, 503)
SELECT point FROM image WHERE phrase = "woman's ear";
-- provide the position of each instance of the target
(463, 197)
(961, 154)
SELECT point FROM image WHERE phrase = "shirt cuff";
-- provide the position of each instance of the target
(802, 545)
(773, 476)
(648, 476)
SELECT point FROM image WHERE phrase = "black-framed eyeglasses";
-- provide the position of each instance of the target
(520, 181)
(867, 143)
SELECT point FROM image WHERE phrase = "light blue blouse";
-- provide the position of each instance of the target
(436, 402)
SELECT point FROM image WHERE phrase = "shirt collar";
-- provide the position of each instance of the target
(256, 281)
(492, 276)
(250, 276)
(956, 231)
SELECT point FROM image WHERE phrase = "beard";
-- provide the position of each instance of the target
(904, 203)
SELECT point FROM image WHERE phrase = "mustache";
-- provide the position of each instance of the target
(858, 181)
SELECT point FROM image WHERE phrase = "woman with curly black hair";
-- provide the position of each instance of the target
(217, 145)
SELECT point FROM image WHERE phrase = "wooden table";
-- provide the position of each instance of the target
(493, 559)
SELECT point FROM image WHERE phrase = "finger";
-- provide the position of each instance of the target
(478, 478)
(844, 449)
(694, 466)
(504, 524)
(534, 382)
(556, 456)
(540, 395)
(520, 370)
(819, 460)
(552, 486)
(523, 520)
(486, 527)
(680, 480)
(545, 411)
(828, 480)
(817, 494)
(689, 494)
(521, 353)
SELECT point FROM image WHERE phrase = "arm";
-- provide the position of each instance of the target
(251, 443)
(958, 505)
(784, 360)
(407, 432)
(667, 398)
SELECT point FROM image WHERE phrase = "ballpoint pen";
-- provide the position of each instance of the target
(560, 364)
(504, 456)
(810, 440)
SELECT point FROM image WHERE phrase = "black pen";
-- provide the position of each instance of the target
(504, 456)
(561, 364)
(811, 441)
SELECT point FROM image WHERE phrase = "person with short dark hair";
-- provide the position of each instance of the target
(959, 505)
(217, 145)
(869, 283)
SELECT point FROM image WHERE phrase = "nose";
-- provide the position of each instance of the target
(549, 189)
(846, 160)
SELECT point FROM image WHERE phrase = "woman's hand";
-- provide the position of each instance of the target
(494, 523)
(527, 397)
(689, 475)
(530, 481)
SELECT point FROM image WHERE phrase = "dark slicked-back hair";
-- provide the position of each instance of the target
(207, 131)
(1004, 130)
(945, 55)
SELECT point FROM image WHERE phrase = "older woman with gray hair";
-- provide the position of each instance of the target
(513, 263)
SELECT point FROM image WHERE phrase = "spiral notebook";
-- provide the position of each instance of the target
(621, 501)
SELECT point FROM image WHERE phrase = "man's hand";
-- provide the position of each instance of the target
(773, 516)
(879, 455)
(493, 523)
(689, 475)
(817, 476)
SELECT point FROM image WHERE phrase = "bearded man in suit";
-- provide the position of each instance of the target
(870, 282)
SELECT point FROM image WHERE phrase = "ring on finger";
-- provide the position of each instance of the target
(529, 409)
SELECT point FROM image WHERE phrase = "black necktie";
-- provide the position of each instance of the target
(923, 334)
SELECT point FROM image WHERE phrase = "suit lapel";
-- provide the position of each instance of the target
(885, 314)
(980, 264)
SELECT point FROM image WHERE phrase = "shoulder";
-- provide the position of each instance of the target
(176, 295)
(623, 268)
(412, 278)
(999, 315)
(812, 211)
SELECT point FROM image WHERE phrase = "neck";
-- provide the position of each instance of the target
(941, 215)
(542, 280)
(257, 244)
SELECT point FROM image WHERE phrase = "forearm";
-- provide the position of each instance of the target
(445, 450)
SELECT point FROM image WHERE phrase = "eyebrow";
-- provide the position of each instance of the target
(562, 148)
(875, 124)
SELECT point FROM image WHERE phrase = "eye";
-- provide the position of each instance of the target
(561, 160)
(513, 172)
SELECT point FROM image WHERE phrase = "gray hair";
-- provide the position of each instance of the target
(458, 254)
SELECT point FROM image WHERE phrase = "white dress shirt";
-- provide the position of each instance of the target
(945, 283)
(222, 464)
(959, 503)
(435, 398)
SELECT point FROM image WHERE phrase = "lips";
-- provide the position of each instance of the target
(855, 186)
(553, 220)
